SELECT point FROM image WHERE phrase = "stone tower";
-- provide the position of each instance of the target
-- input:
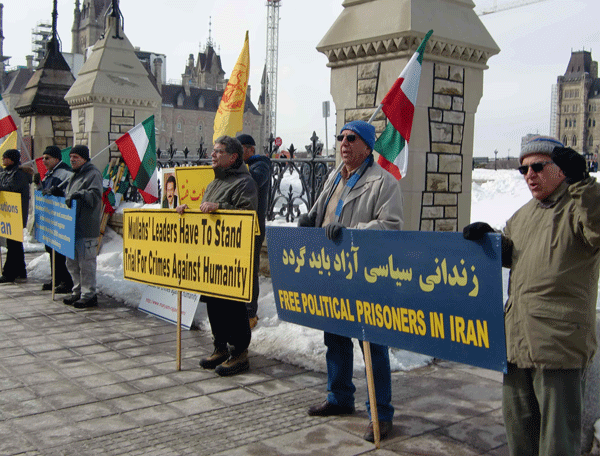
(368, 46)
(46, 117)
(112, 92)
(88, 24)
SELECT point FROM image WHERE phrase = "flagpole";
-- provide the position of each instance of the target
(375, 113)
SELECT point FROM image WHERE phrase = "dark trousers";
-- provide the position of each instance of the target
(61, 275)
(229, 323)
(542, 411)
(14, 266)
(252, 306)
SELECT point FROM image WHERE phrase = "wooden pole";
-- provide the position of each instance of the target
(371, 388)
(53, 268)
(179, 330)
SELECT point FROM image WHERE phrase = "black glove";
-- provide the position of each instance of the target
(54, 191)
(307, 220)
(571, 163)
(47, 191)
(333, 230)
(476, 231)
(69, 200)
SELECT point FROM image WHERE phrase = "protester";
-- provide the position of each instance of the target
(232, 188)
(170, 199)
(54, 183)
(260, 170)
(552, 246)
(84, 187)
(15, 179)
(358, 194)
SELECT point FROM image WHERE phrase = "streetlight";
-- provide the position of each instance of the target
(495, 160)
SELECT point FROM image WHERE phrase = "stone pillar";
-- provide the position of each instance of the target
(365, 60)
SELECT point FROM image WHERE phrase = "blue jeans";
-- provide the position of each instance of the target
(339, 375)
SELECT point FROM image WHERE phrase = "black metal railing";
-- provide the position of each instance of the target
(297, 178)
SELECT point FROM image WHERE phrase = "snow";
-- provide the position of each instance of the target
(496, 195)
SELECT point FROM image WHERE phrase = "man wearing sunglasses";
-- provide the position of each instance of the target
(552, 246)
(358, 194)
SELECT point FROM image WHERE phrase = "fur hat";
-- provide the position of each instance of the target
(53, 151)
(363, 129)
(539, 145)
(14, 155)
(82, 151)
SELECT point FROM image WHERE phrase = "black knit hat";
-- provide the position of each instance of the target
(53, 151)
(82, 151)
(246, 140)
(14, 155)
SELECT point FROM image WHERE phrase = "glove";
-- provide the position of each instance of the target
(307, 220)
(571, 163)
(476, 231)
(333, 230)
(69, 200)
(54, 191)
(47, 191)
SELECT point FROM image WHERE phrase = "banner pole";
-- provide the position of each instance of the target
(179, 330)
(371, 388)
(53, 267)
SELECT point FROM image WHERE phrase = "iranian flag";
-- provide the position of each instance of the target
(138, 147)
(7, 124)
(399, 108)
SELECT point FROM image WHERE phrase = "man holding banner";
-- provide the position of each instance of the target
(232, 188)
(552, 246)
(359, 194)
(15, 179)
(85, 187)
(54, 183)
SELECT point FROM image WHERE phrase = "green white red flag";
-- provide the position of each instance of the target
(138, 147)
(399, 108)
(7, 124)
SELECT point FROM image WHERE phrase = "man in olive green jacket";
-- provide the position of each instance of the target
(552, 245)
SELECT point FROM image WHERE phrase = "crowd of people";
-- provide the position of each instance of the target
(551, 245)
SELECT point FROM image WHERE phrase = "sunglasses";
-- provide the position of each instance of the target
(536, 167)
(350, 138)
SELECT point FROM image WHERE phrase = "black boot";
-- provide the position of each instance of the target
(234, 365)
(219, 355)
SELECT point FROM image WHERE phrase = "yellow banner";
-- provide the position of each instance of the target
(11, 217)
(9, 143)
(229, 119)
(191, 184)
(211, 254)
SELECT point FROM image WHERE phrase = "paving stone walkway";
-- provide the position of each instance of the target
(103, 382)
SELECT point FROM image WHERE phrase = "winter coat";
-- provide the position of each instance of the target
(17, 180)
(232, 188)
(550, 316)
(260, 170)
(87, 182)
(57, 176)
(375, 201)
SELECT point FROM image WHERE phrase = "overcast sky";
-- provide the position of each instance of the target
(535, 41)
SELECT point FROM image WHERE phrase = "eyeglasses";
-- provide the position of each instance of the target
(350, 138)
(219, 151)
(536, 167)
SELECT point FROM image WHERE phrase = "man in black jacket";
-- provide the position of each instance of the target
(14, 179)
(55, 181)
(260, 170)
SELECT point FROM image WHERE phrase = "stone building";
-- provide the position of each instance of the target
(578, 105)
(88, 24)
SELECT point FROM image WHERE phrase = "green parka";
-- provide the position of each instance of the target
(550, 316)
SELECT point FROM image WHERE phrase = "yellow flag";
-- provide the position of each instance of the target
(229, 119)
(9, 143)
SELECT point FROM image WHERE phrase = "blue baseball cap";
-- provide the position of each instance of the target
(363, 129)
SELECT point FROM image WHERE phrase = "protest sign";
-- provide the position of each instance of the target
(55, 223)
(11, 216)
(428, 292)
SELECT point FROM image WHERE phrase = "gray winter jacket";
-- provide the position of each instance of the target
(86, 182)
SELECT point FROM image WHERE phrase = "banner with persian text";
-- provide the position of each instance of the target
(429, 292)
(202, 253)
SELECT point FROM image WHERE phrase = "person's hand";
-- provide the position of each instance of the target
(571, 163)
(69, 200)
(476, 231)
(333, 231)
(307, 220)
(209, 207)
(47, 191)
(181, 208)
(55, 191)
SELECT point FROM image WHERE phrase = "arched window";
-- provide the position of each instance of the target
(566, 123)
(593, 122)
(589, 122)
(179, 125)
(574, 141)
(201, 102)
(565, 140)
(570, 124)
(591, 141)
(180, 99)
(574, 123)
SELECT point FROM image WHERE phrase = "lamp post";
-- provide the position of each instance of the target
(496, 160)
